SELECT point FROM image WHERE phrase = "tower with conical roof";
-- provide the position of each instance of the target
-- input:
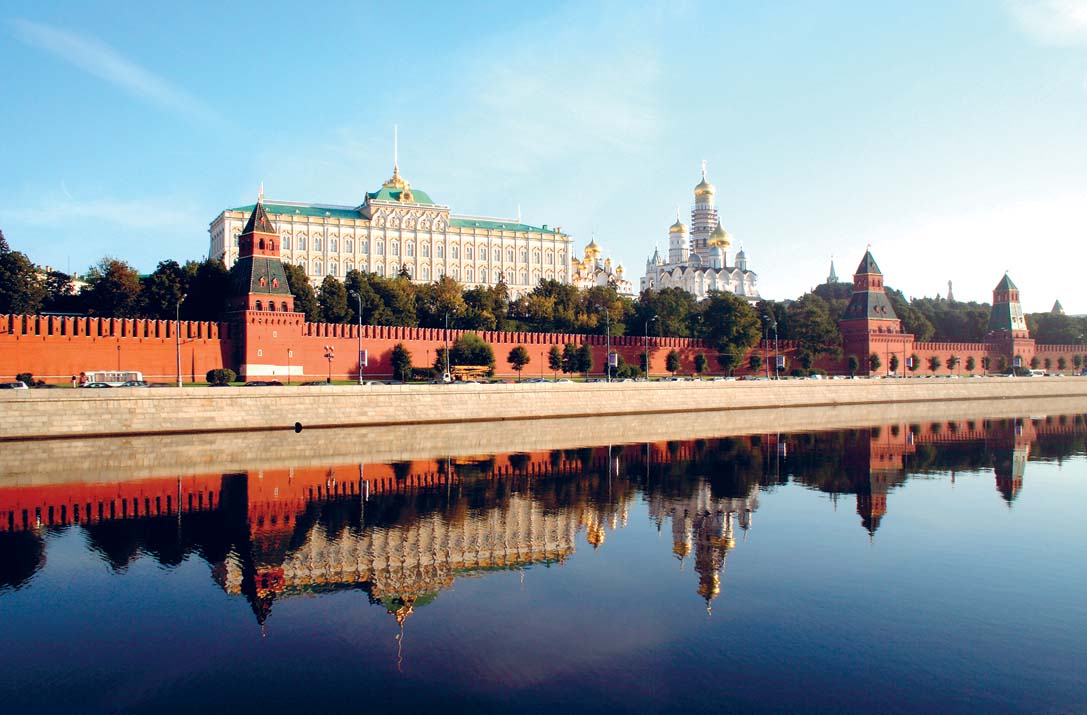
(1008, 337)
(869, 324)
(1058, 309)
(833, 277)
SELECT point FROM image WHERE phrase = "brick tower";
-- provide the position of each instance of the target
(1008, 335)
(869, 324)
(261, 303)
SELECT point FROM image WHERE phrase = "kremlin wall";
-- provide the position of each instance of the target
(263, 339)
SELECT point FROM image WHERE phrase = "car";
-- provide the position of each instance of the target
(566, 380)
(134, 383)
(317, 383)
(220, 384)
(264, 383)
(98, 385)
(14, 385)
(626, 379)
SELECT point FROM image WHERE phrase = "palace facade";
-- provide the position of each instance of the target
(400, 228)
(698, 259)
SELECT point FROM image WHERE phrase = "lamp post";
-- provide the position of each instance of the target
(647, 346)
(777, 352)
(177, 334)
(330, 353)
(118, 358)
(765, 330)
(359, 297)
(607, 359)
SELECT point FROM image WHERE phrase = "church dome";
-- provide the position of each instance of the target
(678, 227)
(704, 189)
(720, 237)
(592, 248)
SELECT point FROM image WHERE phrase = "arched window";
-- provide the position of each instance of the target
(332, 268)
(535, 277)
(394, 269)
(302, 242)
(409, 248)
(550, 258)
(285, 241)
(333, 245)
(468, 252)
(482, 275)
(456, 273)
(235, 239)
(440, 251)
(509, 255)
(317, 244)
(349, 245)
(426, 273)
(524, 277)
(316, 268)
(425, 250)
(523, 256)
(302, 264)
(454, 251)
(283, 306)
(261, 244)
(380, 270)
(365, 247)
(379, 249)
(536, 257)
(562, 256)
(260, 306)
(497, 253)
(348, 267)
(394, 248)
(469, 274)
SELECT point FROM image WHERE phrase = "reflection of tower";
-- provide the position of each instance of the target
(1010, 443)
(713, 540)
(874, 462)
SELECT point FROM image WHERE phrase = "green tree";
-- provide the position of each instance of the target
(915, 362)
(700, 363)
(401, 362)
(113, 289)
(985, 363)
(570, 360)
(1035, 362)
(208, 289)
(970, 363)
(21, 290)
(727, 361)
(332, 301)
(584, 359)
(953, 362)
(729, 323)
(1077, 361)
(675, 309)
(518, 358)
(1047, 363)
(894, 363)
(814, 328)
(1062, 364)
(305, 300)
(445, 296)
(874, 363)
(854, 365)
(671, 362)
(754, 363)
(934, 363)
(161, 291)
(470, 349)
(555, 360)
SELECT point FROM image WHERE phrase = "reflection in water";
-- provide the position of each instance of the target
(402, 533)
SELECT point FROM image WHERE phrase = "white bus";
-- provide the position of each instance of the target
(113, 378)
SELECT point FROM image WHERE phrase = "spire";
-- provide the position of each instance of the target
(1058, 309)
(950, 294)
(868, 264)
(260, 193)
(396, 148)
(703, 169)
(833, 277)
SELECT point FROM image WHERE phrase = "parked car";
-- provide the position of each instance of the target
(264, 383)
(134, 383)
(98, 385)
(14, 385)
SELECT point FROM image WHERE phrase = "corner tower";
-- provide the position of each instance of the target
(869, 325)
(1007, 315)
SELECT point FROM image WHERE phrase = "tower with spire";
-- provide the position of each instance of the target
(869, 324)
(1008, 336)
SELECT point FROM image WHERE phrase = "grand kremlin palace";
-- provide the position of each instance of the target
(398, 227)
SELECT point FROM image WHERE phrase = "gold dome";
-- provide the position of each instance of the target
(592, 247)
(678, 227)
(720, 237)
(704, 189)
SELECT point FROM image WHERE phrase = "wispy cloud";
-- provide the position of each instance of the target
(1053, 22)
(102, 61)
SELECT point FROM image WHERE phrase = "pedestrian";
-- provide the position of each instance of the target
(75, 380)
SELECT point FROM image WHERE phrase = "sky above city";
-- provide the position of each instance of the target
(950, 136)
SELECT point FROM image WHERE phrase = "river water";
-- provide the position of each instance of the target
(908, 567)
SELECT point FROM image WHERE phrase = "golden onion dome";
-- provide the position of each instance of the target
(678, 227)
(704, 189)
(720, 237)
(592, 247)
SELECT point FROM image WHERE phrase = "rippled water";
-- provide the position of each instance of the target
(932, 567)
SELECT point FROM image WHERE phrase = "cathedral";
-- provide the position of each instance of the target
(592, 270)
(698, 258)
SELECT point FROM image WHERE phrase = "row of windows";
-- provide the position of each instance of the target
(469, 272)
(271, 306)
(409, 250)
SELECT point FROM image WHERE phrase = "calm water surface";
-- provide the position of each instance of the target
(933, 567)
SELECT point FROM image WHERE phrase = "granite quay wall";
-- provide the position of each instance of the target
(32, 414)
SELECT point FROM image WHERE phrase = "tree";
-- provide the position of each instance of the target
(401, 362)
(934, 363)
(894, 364)
(953, 362)
(570, 360)
(874, 363)
(113, 289)
(585, 359)
(675, 309)
(700, 363)
(754, 363)
(470, 349)
(814, 328)
(220, 376)
(518, 358)
(671, 362)
(21, 290)
(1047, 363)
(1035, 362)
(985, 363)
(332, 301)
(729, 323)
(554, 360)
(161, 291)
(970, 363)
(208, 290)
(1062, 364)
(854, 365)
(1077, 361)
(305, 300)
(915, 362)
(727, 361)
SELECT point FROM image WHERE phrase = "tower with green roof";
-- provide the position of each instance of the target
(1007, 315)
(869, 324)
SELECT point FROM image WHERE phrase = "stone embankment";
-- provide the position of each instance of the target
(46, 414)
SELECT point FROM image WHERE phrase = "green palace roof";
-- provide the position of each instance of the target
(391, 193)
(348, 212)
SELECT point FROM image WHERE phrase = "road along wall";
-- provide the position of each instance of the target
(38, 414)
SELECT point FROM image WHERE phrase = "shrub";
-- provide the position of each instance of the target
(26, 377)
(221, 376)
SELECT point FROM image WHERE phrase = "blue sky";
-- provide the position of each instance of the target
(952, 136)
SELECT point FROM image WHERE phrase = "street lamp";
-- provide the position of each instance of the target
(177, 334)
(330, 353)
(359, 297)
(607, 323)
(647, 346)
(446, 376)
(118, 358)
(777, 352)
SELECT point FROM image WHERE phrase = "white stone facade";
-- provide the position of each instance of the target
(397, 228)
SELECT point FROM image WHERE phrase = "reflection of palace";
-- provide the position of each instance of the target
(402, 533)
